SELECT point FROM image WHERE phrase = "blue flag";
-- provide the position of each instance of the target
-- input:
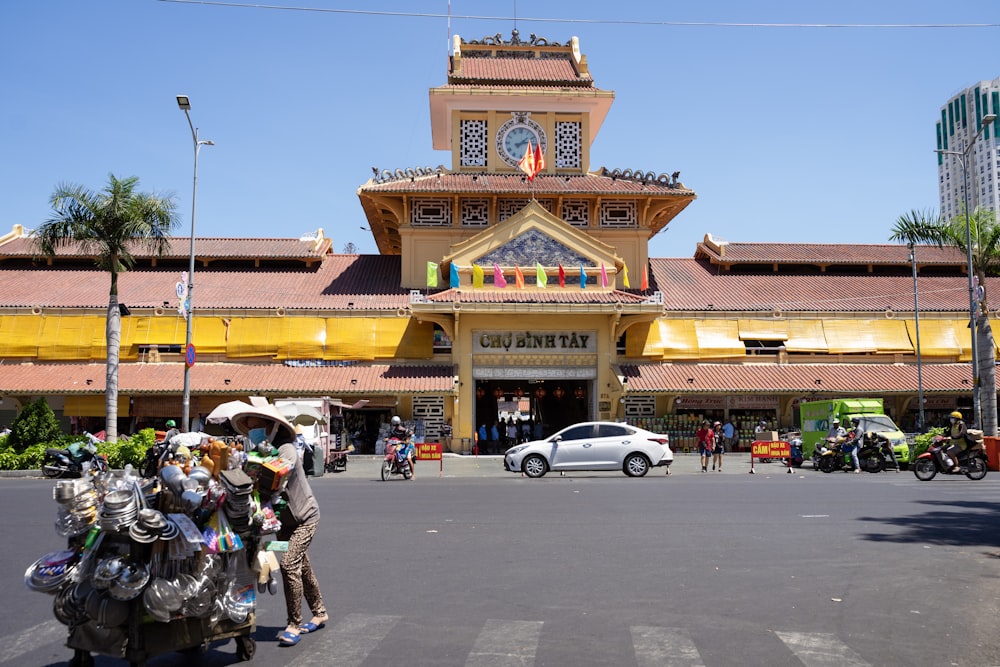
(583, 278)
(455, 282)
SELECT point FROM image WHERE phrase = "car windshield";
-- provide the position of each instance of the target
(878, 424)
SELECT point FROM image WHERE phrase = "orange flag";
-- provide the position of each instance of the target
(527, 163)
(518, 277)
(645, 278)
(539, 160)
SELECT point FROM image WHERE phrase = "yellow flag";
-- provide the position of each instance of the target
(625, 277)
(477, 276)
(432, 274)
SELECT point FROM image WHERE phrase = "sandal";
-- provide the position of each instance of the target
(956, 469)
(287, 638)
(306, 628)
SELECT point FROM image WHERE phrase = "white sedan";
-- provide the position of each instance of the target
(592, 446)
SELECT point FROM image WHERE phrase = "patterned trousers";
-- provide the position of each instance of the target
(297, 576)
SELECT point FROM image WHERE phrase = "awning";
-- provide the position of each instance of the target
(938, 338)
(71, 338)
(891, 337)
(849, 336)
(719, 339)
(771, 329)
(675, 339)
(806, 336)
(372, 338)
(19, 335)
(93, 406)
(277, 337)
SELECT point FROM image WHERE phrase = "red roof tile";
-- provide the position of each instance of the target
(484, 71)
(205, 248)
(447, 184)
(795, 378)
(222, 378)
(828, 253)
(689, 284)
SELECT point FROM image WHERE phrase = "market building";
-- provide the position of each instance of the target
(500, 290)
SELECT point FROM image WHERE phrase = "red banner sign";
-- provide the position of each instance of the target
(428, 451)
(766, 449)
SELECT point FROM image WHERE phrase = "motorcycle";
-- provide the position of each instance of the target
(395, 462)
(832, 455)
(876, 454)
(971, 461)
(795, 452)
(73, 461)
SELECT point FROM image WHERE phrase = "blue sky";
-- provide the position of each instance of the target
(818, 135)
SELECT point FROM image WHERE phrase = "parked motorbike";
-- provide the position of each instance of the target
(875, 454)
(971, 461)
(395, 462)
(795, 452)
(151, 462)
(832, 455)
(72, 461)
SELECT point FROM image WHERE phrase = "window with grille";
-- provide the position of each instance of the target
(473, 143)
(576, 212)
(431, 213)
(475, 212)
(621, 214)
(569, 147)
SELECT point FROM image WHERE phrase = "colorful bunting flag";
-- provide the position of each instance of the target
(498, 279)
(604, 276)
(625, 276)
(432, 274)
(562, 275)
(518, 277)
(541, 279)
(456, 282)
(583, 278)
(477, 276)
(645, 278)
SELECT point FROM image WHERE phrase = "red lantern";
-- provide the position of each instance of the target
(480, 392)
(498, 393)
(518, 393)
(540, 392)
(559, 392)
(579, 393)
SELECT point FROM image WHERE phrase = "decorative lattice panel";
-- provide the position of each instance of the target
(472, 150)
(508, 207)
(430, 213)
(569, 150)
(475, 212)
(618, 214)
(640, 406)
(576, 212)
(431, 410)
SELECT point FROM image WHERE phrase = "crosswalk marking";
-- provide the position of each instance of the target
(349, 642)
(818, 649)
(506, 644)
(657, 647)
(16, 645)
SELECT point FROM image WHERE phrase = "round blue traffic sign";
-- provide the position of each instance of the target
(189, 355)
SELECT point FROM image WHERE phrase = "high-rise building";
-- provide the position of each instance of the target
(961, 119)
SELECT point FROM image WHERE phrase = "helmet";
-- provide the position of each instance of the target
(171, 423)
(956, 415)
(396, 421)
(717, 424)
(835, 421)
(855, 420)
(763, 422)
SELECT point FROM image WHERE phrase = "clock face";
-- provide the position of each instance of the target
(516, 140)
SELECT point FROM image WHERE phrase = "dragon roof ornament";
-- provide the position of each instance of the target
(386, 176)
(515, 40)
(671, 181)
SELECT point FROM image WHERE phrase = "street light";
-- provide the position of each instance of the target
(185, 105)
(916, 322)
(963, 157)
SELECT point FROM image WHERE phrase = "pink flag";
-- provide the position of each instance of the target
(604, 276)
(498, 279)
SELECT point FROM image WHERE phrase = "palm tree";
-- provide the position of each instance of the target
(109, 224)
(985, 235)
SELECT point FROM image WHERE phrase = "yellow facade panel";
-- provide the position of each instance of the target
(69, 337)
(849, 336)
(892, 337)
(771, 329)
(676, 339)
(208, 334)
(370, 338)
(350, 338)
(806, 336)
(93, 406)
(19, 335)
(719, 339)
(938, 338)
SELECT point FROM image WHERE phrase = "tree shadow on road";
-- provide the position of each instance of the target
(953, 523)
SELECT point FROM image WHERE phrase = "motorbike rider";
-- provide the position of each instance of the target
(400, 432)
(958, 433)
(854, 442)
(172, 430)
(837, 432)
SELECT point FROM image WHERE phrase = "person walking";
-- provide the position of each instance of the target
(495, 438)
(483, 442)
(446, 432)
(719, 446)
(299, 522)
(706, 443)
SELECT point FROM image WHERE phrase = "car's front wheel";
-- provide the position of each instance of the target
(636, 465)
(534, 466)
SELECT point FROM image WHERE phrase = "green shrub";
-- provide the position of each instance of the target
(32, 457)
(35, 424)
(128, 450)
(923, 441)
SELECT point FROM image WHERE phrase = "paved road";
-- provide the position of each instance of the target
(484, 568)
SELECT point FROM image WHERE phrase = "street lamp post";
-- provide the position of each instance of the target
(916, 323)
(185, 105)
(963, 157)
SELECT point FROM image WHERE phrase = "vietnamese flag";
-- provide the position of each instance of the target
(498, 279)
(562, 275)
(527, 163)
(645, 278)
(539, 160)
(518, 277)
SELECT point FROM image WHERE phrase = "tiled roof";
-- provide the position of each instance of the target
(448, 184)
(795, 378)
(486, 71)
(205, 248)
(689, 284)
(828, 253)
(222, 378)
(340, 282)
(571, 294)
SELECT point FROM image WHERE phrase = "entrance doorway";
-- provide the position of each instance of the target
(548, 405)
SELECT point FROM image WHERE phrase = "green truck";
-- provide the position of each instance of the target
(817, 415)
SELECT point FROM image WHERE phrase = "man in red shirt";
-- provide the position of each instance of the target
(706, 443)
